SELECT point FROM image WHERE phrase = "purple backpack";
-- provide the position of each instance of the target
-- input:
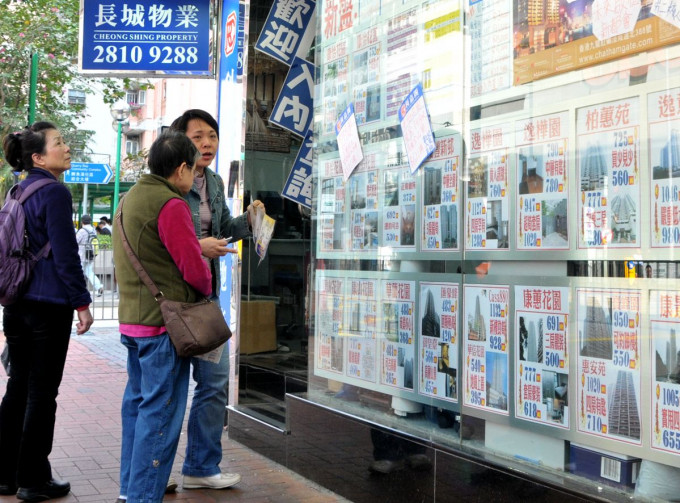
(16, 261)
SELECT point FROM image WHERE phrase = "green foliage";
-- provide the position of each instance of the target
(50, 29)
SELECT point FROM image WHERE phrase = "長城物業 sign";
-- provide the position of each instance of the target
(146, 36)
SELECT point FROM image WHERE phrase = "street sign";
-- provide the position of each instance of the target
(88, 172)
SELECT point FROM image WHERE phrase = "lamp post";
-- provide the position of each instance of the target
(120, 111)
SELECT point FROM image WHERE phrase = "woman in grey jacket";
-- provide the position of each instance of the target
(215, 228)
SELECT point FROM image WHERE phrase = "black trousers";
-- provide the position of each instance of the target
(38, 335)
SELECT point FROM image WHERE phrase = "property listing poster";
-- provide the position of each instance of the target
(399, 210)
(440, 217)
(363, 203)
(335, 88)
(443, 41)
(402, 51)
(438, 331)
(608, 380)
(488, 201)
(416, 129)
(397, 344)
(664, 318)
(663, 118)
(490, 27)
(542, 356)
(330, 306)
(362, 328)
(608, 164)
(564, 37)
(486, 347)
(367, 76)
(542, 182)
(332, 223)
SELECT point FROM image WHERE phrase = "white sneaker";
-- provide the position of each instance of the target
(219, 481)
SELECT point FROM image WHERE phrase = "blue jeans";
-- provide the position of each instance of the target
(153, 408)
(206, 418)
(88, 270)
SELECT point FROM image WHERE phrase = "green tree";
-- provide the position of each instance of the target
(50, 29)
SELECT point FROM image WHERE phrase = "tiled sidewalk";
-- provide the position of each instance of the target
(87, 437)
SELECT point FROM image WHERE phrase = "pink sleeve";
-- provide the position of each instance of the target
(176, 231)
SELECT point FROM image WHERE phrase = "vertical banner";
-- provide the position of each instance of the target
(298, 186)
(329, 347)
(440, 217)
(542, 356)
(663, 119)
(608, 380)
(293, 109)
(397, 340)
(362, 325)
(488, 208)
(542, 183)
(363, 202)
(332, 222)
(399, 211)
(438, 335)
(664, 317)
(608, 160)
(486, 347)
(288, 31)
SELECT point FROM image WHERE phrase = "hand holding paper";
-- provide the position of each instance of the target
(263, 227)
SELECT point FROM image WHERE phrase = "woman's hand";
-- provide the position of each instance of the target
(84, 321)
(252, 211)
(212, 247)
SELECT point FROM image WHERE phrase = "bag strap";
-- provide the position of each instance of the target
(136, 264)
(25, 194)
(28, 191)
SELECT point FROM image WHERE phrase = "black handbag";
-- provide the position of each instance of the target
(195, 328)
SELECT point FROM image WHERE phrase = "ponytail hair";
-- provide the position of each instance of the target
(20, 146)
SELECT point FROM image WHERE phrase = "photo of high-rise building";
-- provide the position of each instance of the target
(430, 325)
(595, 335)
(477, 324)
(624, 416)
(497, 380)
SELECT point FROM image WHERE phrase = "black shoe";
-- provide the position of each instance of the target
(50, 490)
(7, 490)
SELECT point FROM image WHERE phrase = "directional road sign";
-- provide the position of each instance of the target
(88, 172)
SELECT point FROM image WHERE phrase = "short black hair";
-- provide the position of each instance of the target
(169, 151)
(181, 123)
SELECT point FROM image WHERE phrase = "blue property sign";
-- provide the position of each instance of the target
(88, 172)
(298, 187)
(293, 109)
(145, 36)
(289, 30)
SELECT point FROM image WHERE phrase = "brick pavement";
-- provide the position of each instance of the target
(87, 436)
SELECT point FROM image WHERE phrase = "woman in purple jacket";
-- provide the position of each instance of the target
(38, 325)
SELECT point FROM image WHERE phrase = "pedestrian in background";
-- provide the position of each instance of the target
(157, 222)
(88, 250)
(104, 226)
(38, 325)
(215, 228)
